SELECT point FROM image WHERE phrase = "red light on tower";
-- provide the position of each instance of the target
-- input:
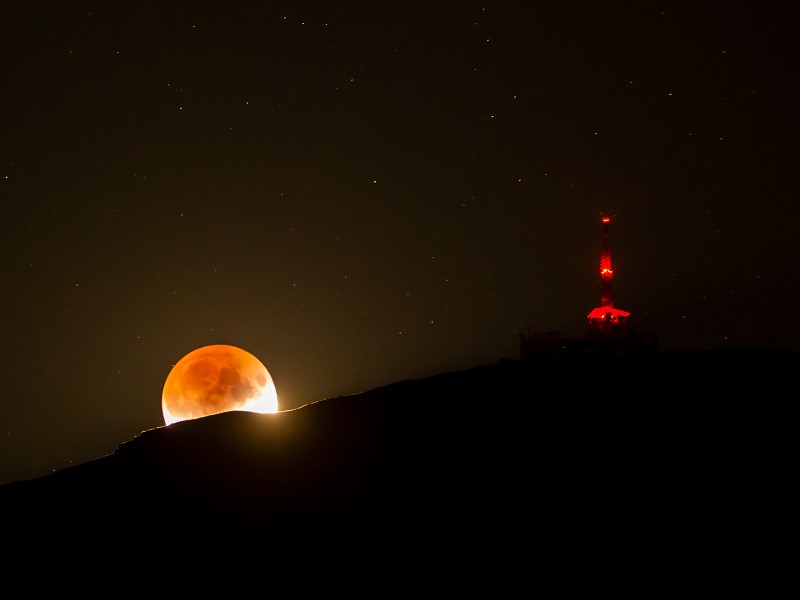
(606, 314)
(608, 331)
(606, 272)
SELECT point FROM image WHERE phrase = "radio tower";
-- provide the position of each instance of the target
(609, 330)
(606, 320)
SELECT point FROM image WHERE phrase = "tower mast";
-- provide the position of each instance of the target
(609, 330)
(606, 272)
(606, 318)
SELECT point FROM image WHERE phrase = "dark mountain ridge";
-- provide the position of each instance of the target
(552, 459)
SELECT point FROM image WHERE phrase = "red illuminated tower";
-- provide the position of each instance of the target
(609, 329)
(605, 319)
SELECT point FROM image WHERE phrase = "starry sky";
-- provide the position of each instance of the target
(364, 192)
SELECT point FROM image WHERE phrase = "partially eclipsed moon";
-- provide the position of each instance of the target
(215, 379)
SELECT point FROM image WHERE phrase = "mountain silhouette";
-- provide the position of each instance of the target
(661, 462)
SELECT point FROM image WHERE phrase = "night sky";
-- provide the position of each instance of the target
(364, 192)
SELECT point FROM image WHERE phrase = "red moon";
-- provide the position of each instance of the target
(215, 379)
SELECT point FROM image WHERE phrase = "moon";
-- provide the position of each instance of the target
(214, 379)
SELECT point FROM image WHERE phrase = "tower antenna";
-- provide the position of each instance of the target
(606, 319)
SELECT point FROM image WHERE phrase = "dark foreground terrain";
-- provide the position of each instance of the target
(593, 470)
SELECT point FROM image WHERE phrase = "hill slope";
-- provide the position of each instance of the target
(574, 462)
